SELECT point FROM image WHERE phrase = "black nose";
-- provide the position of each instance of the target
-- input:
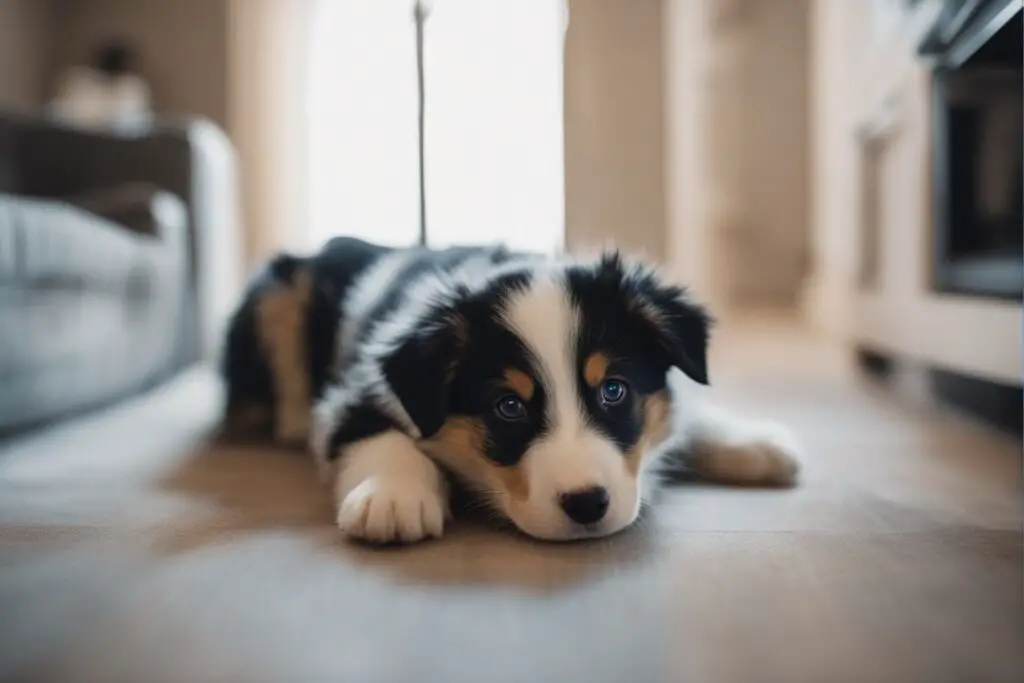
(586, 506)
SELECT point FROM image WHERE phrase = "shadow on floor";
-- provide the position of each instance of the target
(246, 489)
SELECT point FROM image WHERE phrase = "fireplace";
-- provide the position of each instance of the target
(975, 51)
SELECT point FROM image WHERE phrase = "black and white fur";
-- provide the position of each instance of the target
(280, 342)
(550, 387)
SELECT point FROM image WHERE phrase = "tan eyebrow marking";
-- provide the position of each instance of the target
(520, 383)
(595, 368)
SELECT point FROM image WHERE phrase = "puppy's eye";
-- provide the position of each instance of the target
(613, 392)
(510, 407)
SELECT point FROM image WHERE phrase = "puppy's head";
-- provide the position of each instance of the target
(544, 389)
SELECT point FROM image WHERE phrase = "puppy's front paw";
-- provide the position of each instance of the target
(387, 509)
(388, 490)
(759, 454)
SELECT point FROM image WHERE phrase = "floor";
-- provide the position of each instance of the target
(899, 558)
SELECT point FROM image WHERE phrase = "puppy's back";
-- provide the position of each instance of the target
(315, 287)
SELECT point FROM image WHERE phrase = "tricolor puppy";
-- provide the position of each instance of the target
(281, 342)
(549, 387)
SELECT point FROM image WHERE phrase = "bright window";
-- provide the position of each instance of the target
(493, 146)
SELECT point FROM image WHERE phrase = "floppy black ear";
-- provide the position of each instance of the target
(419, 373)
(681, 327)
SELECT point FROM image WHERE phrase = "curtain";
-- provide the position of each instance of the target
(493, 118)
(364, 178)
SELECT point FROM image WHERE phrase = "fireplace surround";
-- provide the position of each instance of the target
(975, 54)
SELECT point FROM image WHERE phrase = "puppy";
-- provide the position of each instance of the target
(280, 342)
(549, 387)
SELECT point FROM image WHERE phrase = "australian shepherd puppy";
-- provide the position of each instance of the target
(548, 386)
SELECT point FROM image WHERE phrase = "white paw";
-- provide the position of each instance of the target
(762, 453)
(389, 491)
(392, 509)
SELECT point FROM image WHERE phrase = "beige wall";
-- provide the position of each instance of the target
(738, 146)
(829, 295)
(875, 82)
(688, 241)
(771, 243)
(25, 45)
(692, 145)
(183, 46)
(267, 119)
(614, 126)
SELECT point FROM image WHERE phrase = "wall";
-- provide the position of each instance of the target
(686, 217)
(829, 292)
(771, 243)
(267, 120)
(25, 44)
(183, 44)
(738, 148)
(614, 126)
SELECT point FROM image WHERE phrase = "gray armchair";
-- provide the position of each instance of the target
(119, 260)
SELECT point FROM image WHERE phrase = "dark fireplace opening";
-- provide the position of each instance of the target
(978, 153)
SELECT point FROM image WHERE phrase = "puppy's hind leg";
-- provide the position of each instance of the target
(724, 448)
(281, 314)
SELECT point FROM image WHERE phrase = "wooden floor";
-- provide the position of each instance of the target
(124, 557)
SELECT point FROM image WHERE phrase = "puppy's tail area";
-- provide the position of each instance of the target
(249, 394)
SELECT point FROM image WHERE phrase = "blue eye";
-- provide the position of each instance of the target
(613, 391)
(510, 407)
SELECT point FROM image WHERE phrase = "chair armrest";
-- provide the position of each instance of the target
(141, 207)
(192, 159)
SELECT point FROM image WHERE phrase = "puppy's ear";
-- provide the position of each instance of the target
(680, 327)
(419, 372)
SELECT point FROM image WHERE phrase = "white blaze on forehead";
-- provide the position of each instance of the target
(574, 456)
(544, 318)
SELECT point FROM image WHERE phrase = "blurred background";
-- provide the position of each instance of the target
(840, 179)
(832, 158)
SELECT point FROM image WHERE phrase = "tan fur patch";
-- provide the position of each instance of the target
(656, 411)
(459, 445)
(595, 368)
(460, 328)
(515, 482)
(281, 321)
(520, 383)
(757, 463)
(460, 331)
(249, 417)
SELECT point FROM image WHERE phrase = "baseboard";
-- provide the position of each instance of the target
(996, 404)
(876, 364)
(1000, 405)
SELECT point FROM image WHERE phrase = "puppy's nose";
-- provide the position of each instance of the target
(585, 506)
